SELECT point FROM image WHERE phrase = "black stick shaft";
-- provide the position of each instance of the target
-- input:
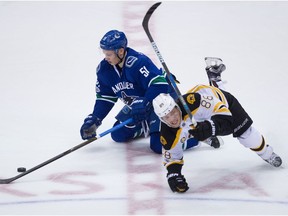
(174, 85)
(9, 180)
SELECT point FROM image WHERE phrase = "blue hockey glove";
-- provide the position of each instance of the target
(140, 109)
(89, 127)
(177, 182)
(124, 114)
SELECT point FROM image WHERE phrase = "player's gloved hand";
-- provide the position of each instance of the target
(175, 79)
(177, 182)
(89, 127)
(203, 130)
(140, 109)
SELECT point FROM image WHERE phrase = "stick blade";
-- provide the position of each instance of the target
(148, 15)
(6, 181)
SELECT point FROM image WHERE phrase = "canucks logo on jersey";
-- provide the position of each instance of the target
(128, 100)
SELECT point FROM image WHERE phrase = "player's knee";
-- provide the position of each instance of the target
(119, 137)
(155, 143)
(123, 134)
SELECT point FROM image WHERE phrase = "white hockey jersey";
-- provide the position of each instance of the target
(205, 102)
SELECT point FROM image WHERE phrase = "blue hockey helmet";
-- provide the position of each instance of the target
(113, 40)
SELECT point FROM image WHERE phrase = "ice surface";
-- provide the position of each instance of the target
(48, 55)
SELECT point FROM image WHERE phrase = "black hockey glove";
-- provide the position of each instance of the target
(203, 130)
(140, 109)
(89, 127)
(177, 182)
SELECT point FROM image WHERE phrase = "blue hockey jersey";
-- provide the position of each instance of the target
(139, 77)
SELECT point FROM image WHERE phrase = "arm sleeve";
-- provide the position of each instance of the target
(105, 97)
(173, 151)
(174, 168)
(155, 89)
(102, 108)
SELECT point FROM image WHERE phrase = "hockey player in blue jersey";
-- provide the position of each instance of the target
(132, 77)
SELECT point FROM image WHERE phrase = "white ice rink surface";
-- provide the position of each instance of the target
(48, 55)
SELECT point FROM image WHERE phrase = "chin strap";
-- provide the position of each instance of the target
(121, 59)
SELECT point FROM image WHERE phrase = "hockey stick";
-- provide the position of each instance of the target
(173, 83)
(9, 180)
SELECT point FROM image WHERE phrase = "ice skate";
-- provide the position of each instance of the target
(270, 157)
(275, 160)
(214, 142)
(214, 68)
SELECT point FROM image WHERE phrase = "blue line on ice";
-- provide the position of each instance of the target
(165, 198)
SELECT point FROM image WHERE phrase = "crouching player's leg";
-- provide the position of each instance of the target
(127, 132)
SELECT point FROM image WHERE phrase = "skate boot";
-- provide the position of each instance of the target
(214, 68)
(270, 157)
(215, 142)
(275, 160)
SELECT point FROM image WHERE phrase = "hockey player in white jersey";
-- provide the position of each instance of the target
(216, 113)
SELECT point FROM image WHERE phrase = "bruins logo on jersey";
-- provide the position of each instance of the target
(190, 98)
(163, 140)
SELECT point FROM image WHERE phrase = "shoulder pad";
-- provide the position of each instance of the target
(193, 101)
(192, 98)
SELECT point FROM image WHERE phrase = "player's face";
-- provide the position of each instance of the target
(173, 119)
(111, 57)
